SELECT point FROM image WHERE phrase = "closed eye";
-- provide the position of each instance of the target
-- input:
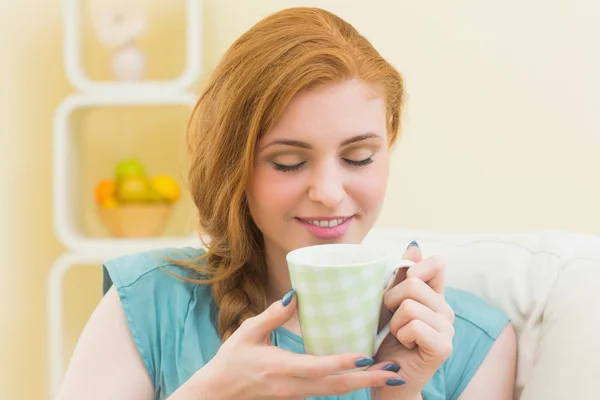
(360, 163)
(288, 168)
(297, 167)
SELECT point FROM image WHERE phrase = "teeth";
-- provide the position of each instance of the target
(328, 224)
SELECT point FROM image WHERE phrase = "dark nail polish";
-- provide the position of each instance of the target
(413, 243)
(287, 298)
(364, 362)
(394, 382)
(392, 367)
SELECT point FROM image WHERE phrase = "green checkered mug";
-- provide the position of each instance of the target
(339, 288)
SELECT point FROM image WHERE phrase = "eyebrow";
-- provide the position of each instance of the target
(304, 145)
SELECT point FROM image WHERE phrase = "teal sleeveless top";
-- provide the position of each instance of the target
(172, 324)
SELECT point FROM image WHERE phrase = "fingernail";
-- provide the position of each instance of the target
(413, 243)
(287, 298)
(394, 382)
(392, 367)
(365, 361)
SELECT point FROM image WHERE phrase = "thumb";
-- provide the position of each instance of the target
(412, 253)
(259, 328)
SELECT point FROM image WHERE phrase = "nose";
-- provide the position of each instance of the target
(327, 187)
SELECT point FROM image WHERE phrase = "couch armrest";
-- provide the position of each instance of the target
(567, 358)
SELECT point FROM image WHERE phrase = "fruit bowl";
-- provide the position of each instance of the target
(133, 204)
(135, 220)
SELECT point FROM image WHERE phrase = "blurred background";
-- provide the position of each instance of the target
(501, 133)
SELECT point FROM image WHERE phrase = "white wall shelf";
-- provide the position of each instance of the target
(81, 81)
(83, 250)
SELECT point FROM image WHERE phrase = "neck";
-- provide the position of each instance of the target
(277, 270)
(279, 282)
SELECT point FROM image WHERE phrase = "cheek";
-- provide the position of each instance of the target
(273, 191)
(369, 188)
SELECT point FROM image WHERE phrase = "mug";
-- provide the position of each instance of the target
(339, 288)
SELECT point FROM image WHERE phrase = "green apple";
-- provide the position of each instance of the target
(129, 167)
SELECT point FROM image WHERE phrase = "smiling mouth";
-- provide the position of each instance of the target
(324, 223)
(326, 227)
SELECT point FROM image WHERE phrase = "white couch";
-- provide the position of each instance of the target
(547, 282)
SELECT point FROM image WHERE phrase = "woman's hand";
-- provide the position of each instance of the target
(248, 366)
(421, 325)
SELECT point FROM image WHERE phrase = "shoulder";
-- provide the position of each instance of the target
(125, 271)
(478, 325)
(159, 295)
(164, 279)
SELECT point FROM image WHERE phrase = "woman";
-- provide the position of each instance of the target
(289, 147)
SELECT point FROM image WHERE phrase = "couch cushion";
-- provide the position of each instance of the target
(543, 281)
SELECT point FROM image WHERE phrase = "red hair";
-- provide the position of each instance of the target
(282, 55)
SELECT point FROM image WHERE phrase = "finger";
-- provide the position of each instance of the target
(259, 327)
(350, 382)
(431, 342)
(430, 271)
(317, 367)
(410, 310)
(386, 366)
(415, 289)
(412, 253)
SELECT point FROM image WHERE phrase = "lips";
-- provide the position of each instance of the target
(326, 228)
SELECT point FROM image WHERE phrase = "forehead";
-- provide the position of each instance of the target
(335, 110)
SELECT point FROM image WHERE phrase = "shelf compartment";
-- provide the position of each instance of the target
(75, 223)
(73, 31)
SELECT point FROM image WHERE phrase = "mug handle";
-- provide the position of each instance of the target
(393, 265)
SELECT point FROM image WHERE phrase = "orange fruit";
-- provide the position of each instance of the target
(166, 187)
(105, 192)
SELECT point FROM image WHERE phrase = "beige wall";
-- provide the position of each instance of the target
(502, 132)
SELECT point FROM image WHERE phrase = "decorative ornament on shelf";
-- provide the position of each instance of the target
(131, 204)
(118, 24)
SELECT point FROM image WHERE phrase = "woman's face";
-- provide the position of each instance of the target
(320, 173)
